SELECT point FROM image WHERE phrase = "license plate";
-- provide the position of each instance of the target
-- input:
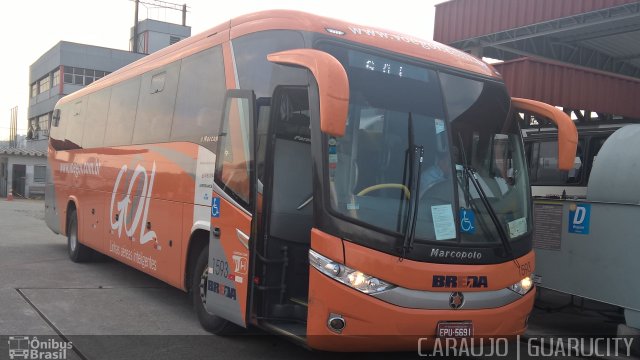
(454, 329)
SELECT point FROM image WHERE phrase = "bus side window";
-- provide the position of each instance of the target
(58, 133)
(200, 98)
(263, 111)
(76, 120)
(595, 144)
(155, 105)
(546, 166)
(235, 152)
(96, 119)
(122, 113)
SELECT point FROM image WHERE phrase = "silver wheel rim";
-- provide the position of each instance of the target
(203, 286)
(73, 239)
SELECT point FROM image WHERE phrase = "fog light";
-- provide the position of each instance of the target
(336, 323)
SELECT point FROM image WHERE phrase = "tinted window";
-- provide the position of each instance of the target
(57, 133)
(201, 92)
(595, 144)
(155, 106)
(544, 165)
(96, 118)
(122, 113)
(256, 72)
(76, 126)
(233, 168)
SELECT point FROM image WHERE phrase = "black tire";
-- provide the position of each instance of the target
(78, 253)
(210, 322)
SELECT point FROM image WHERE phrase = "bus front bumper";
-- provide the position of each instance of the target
(374, 325)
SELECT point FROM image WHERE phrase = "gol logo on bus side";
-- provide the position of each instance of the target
(142, 209)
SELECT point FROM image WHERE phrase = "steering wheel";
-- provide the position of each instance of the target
(404, 189)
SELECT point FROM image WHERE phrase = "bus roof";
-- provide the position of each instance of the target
(295, 20)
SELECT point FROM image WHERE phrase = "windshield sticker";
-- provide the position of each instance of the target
(517, 227)
(333, 158)
(443, 222)
(439, 126)
(467, 221)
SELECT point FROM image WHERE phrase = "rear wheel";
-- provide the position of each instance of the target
(209, 321)
(77, 252)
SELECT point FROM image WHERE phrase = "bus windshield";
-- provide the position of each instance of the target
(396, 106)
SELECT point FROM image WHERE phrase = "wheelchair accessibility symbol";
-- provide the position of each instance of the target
(215, 207)
(467, 221)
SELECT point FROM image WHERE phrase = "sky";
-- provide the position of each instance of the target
(32, 27)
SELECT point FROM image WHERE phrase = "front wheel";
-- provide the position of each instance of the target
(209, 321)
(77, 252)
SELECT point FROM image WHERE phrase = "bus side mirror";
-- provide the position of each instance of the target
(333, 85)
(567, 132)
(55, 119)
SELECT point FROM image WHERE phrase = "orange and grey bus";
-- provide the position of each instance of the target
(350, 187)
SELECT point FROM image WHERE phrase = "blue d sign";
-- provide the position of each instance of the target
(579, 219)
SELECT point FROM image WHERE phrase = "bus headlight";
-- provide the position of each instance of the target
(523, 286)
(348, 276)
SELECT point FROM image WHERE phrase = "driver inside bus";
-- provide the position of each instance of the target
(434, 174)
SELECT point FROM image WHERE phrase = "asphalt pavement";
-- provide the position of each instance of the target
(107, 310)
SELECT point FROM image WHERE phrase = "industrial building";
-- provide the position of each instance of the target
(61, 70)
(583, 56)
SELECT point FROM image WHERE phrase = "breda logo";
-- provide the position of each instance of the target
(123, 220)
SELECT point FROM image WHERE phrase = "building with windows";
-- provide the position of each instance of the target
(22, 171)
(154, 35)
(68, 67)
(63, 69)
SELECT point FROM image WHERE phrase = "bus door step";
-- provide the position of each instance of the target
(289, 311)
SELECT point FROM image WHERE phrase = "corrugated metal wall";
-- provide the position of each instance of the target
(465, 19)
(572, 87)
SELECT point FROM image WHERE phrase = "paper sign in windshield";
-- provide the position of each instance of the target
(517, 227)
(443, 223)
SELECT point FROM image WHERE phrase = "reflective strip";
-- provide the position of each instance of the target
(432, 300)
(243, 238)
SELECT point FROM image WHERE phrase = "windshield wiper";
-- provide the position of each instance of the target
(416, 156)
(471, 175)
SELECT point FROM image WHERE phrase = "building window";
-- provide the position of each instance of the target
(44, 84)
(39, 173)
(31, 133)
(34, 89)
(78, 76)
(42, 127)
(56, 78)
(82, 77)
(68, 75)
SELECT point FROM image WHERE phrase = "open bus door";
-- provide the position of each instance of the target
(232, 207)
(333, 95)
